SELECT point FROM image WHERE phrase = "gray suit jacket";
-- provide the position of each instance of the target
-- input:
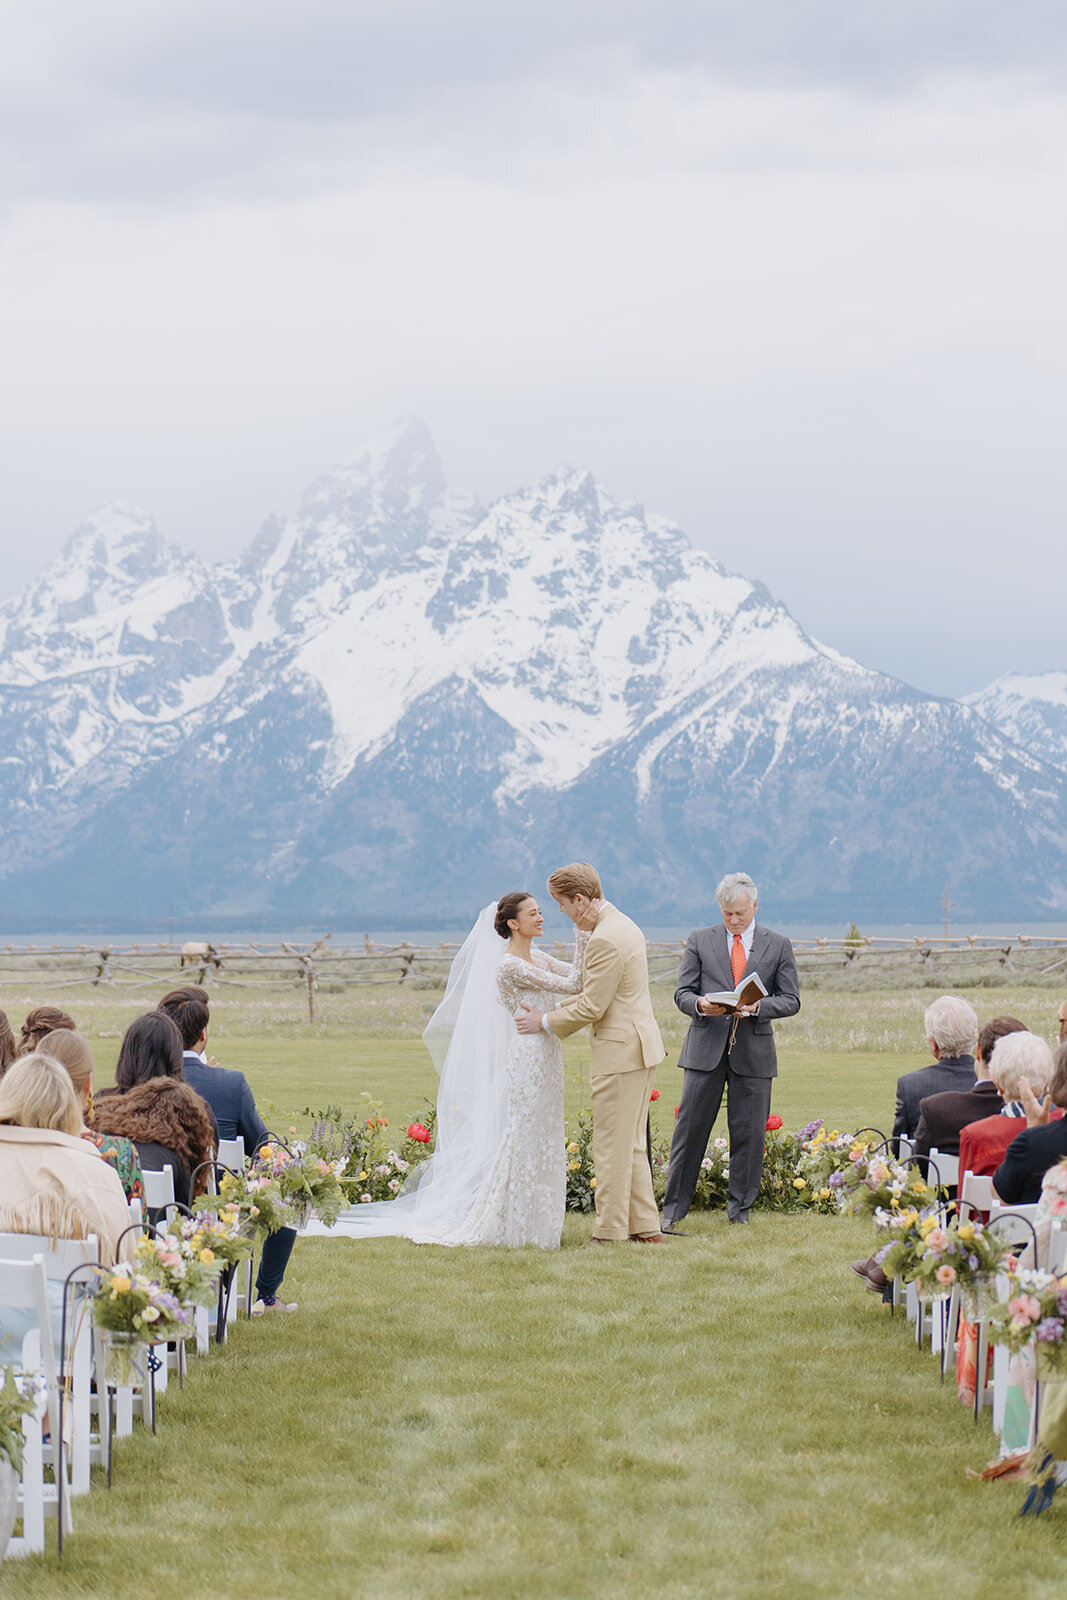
(706, 966)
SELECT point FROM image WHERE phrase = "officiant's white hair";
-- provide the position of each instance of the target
(733, 886)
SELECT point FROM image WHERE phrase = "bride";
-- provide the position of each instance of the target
(498, 1171)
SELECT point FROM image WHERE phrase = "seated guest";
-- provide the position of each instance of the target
(152, 1105)
(1020, 1064)
(8, 1047)
(951, 1033)
(943, 1116)
(230, 1098)
(1041, 1145)
(42, 1020)
(51, 1181)
(73, 1051)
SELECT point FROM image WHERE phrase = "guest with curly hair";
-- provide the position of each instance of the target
(171, 1125)
(42, 1020)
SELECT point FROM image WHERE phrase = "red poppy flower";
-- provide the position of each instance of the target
(676, 1111)
(419, 1132)
(654, 1095)
(773, 1122)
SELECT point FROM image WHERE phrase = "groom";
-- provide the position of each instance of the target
(625, 1050)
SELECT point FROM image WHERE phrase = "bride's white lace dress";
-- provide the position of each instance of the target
(523, 1198)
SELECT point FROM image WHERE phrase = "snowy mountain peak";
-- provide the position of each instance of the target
(119, 544)
(396, 476)
(1031, 708)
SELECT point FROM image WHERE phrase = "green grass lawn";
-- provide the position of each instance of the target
(729, 1415)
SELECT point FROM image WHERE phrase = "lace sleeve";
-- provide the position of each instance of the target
(560, 977)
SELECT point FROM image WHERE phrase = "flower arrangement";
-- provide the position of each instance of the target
(308, 1182)
(20, 1395)
(876, 1183)
(257, 1198)
(961, 1254)
(222, 1231)
(374, 1167)
(829, 1162)
(1033, 1314)
(182, 1261)
(131, 1302)
(581, 1176)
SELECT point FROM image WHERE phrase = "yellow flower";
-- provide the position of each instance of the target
(360, 1176)
(265, 1152)
(207, 1257)
(824, 1194)
(120, 1285)
(572, 1166)
(592, 1183)
(965, 1231)
(927, 1225)
(835, 1134)
(798, 1183)
(572, 1149)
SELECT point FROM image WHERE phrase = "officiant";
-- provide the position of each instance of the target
(728, 1049)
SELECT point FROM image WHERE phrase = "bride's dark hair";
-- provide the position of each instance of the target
(509, 907)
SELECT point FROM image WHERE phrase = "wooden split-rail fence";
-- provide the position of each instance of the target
(255, 964)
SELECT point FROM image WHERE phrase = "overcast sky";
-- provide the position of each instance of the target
(789, 271)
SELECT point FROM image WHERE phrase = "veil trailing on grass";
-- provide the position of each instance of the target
(468, 1037)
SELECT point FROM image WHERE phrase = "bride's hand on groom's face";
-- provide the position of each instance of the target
(587, 921)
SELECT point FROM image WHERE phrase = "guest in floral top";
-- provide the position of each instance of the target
(73, 1051)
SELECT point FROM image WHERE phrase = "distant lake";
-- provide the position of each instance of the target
(557, 928)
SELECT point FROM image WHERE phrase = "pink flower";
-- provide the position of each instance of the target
(1024, 1308)
(937, 1239)
(773, 1122)
(419, 1132)
(1058, 1207)
(946, 1274)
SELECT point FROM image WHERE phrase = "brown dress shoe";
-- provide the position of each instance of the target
(648, 1238)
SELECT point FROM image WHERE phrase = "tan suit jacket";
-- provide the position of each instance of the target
(614, 1000)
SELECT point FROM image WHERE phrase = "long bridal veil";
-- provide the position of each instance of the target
(468, 1037)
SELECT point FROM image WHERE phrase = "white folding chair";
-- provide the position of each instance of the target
(24, 1287)
(976, 1192)
(232, 1153)
(948, 1168)
(61, 1257)
(1057, 1249)
(158, 1189)
(136, 1214)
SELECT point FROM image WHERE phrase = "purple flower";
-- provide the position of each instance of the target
(972, 1262)
(881, 1254)
(835, 1180)
(1050, 1331)
(810, 1129)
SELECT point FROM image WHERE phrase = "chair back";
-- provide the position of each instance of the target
(136, 1214)
(948, 1168)
(976, 1191)
(1057, 1249)
(232, 1153)
(159, 1188)
(59, 1256)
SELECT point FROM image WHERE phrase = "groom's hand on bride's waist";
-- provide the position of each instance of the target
(528, 1020)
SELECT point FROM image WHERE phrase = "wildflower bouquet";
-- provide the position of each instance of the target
(581, 1177)
(962, 1254)
(222, 1231)
(828, 1162)
(20, 1394)
(257, 1197)
(307, 1182)
(876, 1183)
(376, 1167)
(1033, 1315)
(132, 1302)
(182, 1261)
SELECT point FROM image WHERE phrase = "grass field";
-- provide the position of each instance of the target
(729, 1415)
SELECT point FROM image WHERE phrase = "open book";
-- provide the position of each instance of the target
(748, 991)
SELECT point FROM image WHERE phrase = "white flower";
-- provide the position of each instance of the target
(383, 1171)
(707, 1164)
(719, 1144)
(402, 1166)
(391, 1155)
(394, 1185)
(364, 1197)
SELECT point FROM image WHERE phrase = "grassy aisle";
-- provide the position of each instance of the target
(730, 1415)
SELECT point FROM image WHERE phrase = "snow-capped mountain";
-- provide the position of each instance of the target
(397, 704)
(1030, 708)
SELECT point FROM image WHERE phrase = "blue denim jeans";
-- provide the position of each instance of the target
(277, 1248)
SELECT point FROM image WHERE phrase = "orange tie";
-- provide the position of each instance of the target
(738, 962)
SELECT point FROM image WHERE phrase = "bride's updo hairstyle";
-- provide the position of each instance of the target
(507, 908)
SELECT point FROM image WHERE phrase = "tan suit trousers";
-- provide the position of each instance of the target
(625, 1203)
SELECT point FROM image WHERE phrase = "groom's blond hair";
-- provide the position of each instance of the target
(578, 877)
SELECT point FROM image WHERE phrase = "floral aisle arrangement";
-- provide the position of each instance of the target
(308, 1182)
(877, 1183)
(223, 1233)
(182, 1261)
(581, 1175)
(257, 1199)
(963, 1255)
(1031, 1314)
(376, 1163)
(135, 1310)
(830, 1163)
(20, 1395)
